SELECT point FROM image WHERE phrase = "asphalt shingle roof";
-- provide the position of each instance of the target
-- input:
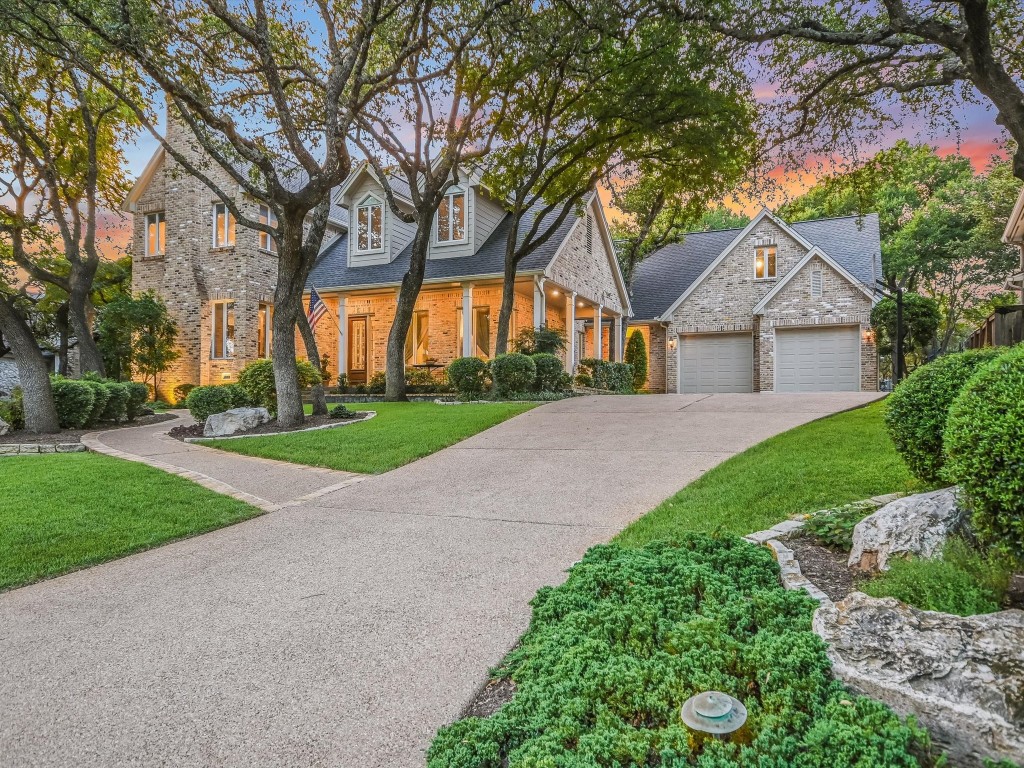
(332, 271)
(660, 279)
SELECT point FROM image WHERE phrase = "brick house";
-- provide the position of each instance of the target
(774, 307)
(218, 279)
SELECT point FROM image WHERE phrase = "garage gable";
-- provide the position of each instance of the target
(816, 286)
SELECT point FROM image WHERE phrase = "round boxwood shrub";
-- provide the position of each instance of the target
(116, 408)
(100, 397)
(74, 401)
(468, 375)
(203, 402)
(239, 398)
(915, 413)
(985, 452)
(138, 394)
(378, 383)
(550, 372)
(257, 381)
(513, 373)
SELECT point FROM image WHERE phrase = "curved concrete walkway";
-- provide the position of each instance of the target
(344, 630)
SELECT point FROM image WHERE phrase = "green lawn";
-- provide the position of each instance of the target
(400, 433)
(67, 511)
(831, 461)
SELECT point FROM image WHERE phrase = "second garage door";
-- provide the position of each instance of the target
(817, 359)
(716, 362)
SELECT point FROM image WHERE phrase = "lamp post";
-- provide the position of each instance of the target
(897, 352)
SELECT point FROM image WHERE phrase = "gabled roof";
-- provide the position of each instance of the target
(815, 251)
(664, 279)
(1014, 232)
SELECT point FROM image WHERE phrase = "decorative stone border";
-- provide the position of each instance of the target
(343, 423)
(34, 449)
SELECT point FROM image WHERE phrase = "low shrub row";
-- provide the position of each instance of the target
(959, 419)
(612, 654)
(85, 402)
(256, 387)
(510, 376)
(602, 374)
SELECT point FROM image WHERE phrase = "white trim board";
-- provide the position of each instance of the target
(815, 251)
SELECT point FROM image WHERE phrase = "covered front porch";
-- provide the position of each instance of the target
(460, 319)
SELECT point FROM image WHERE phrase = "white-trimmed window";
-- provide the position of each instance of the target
(764, 262)
(267, 216)
(369, 225)
(451, 218)
(156, 234)
(816, 281)
(223, 226)
(265, 330)
(222, 342)
(417, 343)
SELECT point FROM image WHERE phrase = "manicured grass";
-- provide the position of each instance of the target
(832, 461)
(400, 433)
(67, 511)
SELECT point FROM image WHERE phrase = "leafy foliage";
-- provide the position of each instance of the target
(611, 655)
(74, 401)
(964, 581)
(339, 411)
(377, 383)
(984, 450)
(551, 375)
(543, 340)
(601, 374)
(12, 409)
(181, 392)
(239, 397)
(636, 356)
(513, 373)
(100, 395)
(138, 394)
(921, 318)
(203, 402)
(257, 381)
(116, 408)
(834, 527)
(137, 336)
(469, 376)
(916, 412)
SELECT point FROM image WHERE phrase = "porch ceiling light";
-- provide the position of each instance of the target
(554, 292)
(579, 303)
(714, 712)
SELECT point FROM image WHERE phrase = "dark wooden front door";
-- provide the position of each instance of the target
(358, 350)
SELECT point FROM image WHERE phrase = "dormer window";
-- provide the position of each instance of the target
(369, 225)
(764, 258)
(451, 218)
(267, 216)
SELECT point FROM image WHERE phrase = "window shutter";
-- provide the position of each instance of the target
(816, 283)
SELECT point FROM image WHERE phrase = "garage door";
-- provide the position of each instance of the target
(817, 359)
(716, 362)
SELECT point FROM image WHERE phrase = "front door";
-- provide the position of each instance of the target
(358, 350)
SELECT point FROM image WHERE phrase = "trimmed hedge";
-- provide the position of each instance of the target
(551, 375)
(239, 397)
(74, 400)
(614, 377)
(138, 394)
(916, 411)
(468, 375)
(985, 452)
(257, 381)
(116, 408)
(513, 374)
(203, 402)
(612, 654)
(100, 397)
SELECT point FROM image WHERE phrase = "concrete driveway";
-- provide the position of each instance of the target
(344, 630)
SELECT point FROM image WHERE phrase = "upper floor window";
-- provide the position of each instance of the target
(370, 225)
(816, 282)
(451, 218)
(156, 233)
(265, 330)
(267, 216)
(764, 261)
(223, 226)
(222, 343)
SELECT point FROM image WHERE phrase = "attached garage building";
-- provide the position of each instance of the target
(716, 362)
(823, 359)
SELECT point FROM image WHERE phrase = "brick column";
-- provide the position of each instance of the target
(618, 355)
(598, 333)
(467, 319)
(570, 331)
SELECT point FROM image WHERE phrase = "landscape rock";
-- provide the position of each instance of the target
(5, 428)
(962, 677)
(235, 420)
(29, 448)
(914, 525)
(70, 448)
(9, 449)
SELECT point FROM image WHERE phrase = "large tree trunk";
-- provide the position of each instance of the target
(40, 411)
(291, 280)
(412, 281)
(508, 295)
(63, 334)
(313, 353)
(89, 357)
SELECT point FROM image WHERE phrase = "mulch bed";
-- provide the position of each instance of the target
(825, 567)
(493, 696)
(75, 435)
(270, 428)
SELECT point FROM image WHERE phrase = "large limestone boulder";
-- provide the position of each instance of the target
(5, 428)
(234, 420)
(961, 676)
(914, 525)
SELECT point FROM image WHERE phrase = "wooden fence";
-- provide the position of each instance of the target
(1003, 328)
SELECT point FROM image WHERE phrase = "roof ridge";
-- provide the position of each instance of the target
(833, 218)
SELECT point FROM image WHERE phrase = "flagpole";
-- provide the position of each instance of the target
(337, 325)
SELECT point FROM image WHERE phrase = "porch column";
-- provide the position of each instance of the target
(598, 333)
(539, 303)
(570, 331)
(342, 336)
(467, 319)
(619, 346)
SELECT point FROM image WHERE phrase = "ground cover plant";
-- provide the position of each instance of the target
(826, 463)
(400, 433)
(834, 527)
(611, 655)
(116, 508)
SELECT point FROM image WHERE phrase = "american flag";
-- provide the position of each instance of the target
(317, 308)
